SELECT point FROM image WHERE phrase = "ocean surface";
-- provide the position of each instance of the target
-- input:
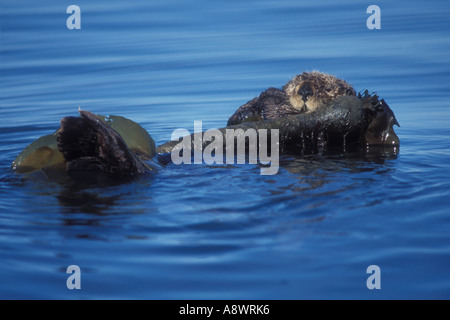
(226, 231)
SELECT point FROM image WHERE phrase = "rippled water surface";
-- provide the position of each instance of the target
(225, 231)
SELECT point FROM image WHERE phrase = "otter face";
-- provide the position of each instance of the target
(312, 90)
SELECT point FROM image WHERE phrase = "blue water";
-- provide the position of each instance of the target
(225, 231)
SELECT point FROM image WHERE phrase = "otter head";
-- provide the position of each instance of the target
(311, 90)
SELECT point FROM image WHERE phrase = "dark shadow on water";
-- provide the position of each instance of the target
(306, 183)
(354, 162)
(99, 198)
(322, 182)
(76, 200)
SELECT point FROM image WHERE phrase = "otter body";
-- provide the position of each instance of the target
(271, 104)
(304, 93)
(314, 112)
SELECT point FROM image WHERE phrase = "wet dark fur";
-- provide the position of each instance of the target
(275, 103)
(380, 120)
(271, 104)
(89, 145)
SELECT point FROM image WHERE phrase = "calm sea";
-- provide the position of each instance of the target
(225, 231)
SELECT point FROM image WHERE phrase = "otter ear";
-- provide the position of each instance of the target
(350, 92)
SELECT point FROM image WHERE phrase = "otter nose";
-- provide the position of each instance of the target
(305, 91)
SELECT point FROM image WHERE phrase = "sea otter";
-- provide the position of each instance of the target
(304, 93)
(314, 112)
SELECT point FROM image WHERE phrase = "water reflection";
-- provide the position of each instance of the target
(322, 182)
(76, 200)
(333, 163)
